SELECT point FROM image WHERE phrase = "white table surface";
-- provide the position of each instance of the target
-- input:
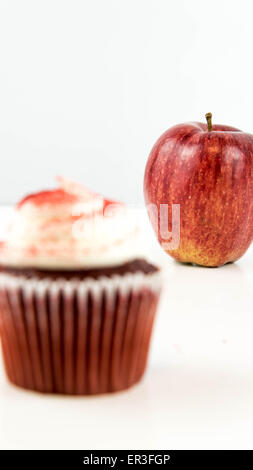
(198, 389)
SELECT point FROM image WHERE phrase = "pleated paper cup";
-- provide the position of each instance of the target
(77, 336)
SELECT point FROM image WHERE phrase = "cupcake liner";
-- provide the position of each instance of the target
(77, 336)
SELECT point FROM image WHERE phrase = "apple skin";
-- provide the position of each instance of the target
(210, 174)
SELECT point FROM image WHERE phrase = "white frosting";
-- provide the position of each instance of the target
(70, 228)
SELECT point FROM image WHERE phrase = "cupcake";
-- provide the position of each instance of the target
(77, 301)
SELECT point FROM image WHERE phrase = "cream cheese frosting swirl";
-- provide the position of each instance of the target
(69, 228)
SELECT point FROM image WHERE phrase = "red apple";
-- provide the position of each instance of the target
(208, 170)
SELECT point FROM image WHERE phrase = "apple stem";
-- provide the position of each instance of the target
(209, 121)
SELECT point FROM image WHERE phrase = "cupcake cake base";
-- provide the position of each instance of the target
(78, 332)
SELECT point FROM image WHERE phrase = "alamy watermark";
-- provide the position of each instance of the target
(89, 222)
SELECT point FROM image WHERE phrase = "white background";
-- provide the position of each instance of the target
(86, 87)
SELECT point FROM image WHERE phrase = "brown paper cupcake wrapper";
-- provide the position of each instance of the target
(74, 336)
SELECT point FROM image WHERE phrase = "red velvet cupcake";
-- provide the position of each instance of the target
(77, 302)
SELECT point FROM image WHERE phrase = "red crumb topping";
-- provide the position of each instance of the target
(108, 202)
(57, 196)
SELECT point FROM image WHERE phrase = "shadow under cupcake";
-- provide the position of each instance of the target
(77, 303)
